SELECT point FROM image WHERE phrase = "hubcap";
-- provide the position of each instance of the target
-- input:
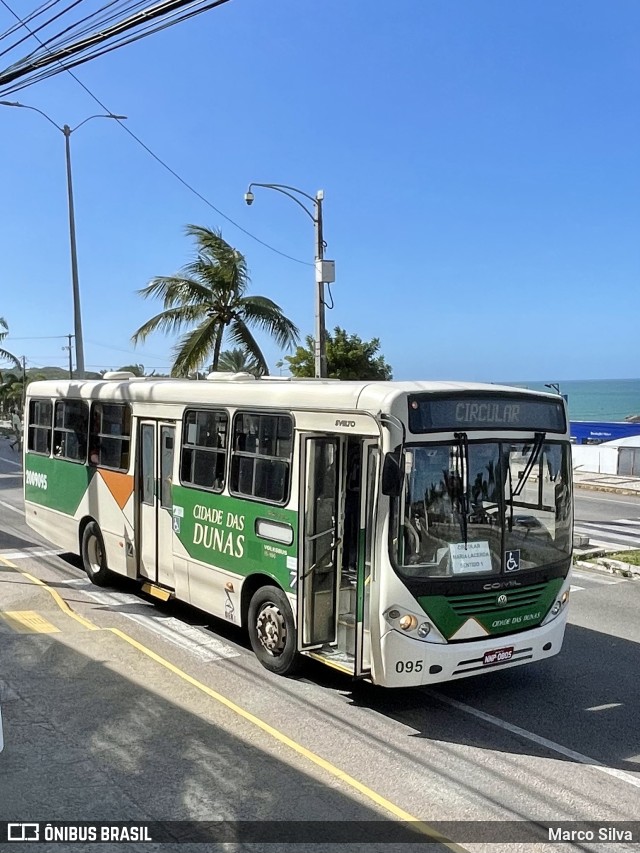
(94, 552)
(271, 629)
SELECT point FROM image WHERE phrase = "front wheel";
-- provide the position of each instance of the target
(272, 631)
(94, 559)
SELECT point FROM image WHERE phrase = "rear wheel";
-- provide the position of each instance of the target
(272, 631)
(94, 558)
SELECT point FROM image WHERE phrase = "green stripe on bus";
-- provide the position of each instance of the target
(55, 483)
(503, 619)
(223, 531)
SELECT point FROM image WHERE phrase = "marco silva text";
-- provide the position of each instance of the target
(600, 833)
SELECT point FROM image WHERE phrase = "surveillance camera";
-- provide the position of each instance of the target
(249, 197)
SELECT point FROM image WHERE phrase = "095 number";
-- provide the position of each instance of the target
(409, 666)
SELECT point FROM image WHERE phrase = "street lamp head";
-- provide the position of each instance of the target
(10, 104)
(119, 118)
(249, 197)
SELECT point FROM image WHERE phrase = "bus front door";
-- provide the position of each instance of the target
(155, 444)
(335, 571)
(318, 569)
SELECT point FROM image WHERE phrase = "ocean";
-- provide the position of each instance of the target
(596, 400)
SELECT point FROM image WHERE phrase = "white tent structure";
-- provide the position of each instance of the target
(619, 457)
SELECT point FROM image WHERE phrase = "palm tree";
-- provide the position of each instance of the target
(4, 354)
(210, 292)
(236, 360)
(12, 388)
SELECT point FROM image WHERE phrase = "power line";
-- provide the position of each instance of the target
(39, 338)
(160, 9)
(159, 159)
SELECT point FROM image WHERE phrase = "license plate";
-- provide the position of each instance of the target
(497, 656)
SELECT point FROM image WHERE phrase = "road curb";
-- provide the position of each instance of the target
(593, 487)
(611, 567)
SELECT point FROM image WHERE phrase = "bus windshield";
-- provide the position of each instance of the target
(472, 509)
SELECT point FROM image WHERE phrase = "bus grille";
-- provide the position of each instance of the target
(486, 602)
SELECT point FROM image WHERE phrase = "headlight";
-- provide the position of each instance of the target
(557, 606)
(408, 623)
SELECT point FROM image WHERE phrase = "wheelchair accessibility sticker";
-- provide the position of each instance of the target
(511, 561)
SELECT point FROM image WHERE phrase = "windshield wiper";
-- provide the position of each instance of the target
(462, 478)
(531, 461)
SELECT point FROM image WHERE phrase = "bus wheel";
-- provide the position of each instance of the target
(94, 558)
(272, 631)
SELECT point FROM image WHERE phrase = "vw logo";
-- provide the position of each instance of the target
(502, 600)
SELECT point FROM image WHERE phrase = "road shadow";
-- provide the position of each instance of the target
(105, 734)
(585, 699)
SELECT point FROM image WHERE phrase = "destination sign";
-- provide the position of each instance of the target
(487, 411)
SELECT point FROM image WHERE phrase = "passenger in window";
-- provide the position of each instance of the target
(94, 454)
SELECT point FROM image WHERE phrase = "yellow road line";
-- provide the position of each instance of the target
(28, 622)
(367, 792)
(62, 604)
(401, 814)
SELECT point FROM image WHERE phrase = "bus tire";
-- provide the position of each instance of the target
(94, 558)
(272, 631)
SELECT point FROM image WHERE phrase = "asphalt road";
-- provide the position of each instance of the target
(608, 520)
(118, 709)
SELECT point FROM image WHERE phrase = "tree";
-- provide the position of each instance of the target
(237, 361)
(12, 388)
(210, 292)
(5, 355)
(348, 357)
(136, 369)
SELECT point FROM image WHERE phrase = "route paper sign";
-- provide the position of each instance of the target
(471, 558)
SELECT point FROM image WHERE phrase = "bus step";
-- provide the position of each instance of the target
(157, 591)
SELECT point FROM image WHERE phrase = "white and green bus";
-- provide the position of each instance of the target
(403, 532)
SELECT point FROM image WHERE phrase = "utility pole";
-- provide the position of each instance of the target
(68, 348)
(24, 383)
(320, 356)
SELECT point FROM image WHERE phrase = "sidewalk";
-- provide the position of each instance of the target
(606, 483)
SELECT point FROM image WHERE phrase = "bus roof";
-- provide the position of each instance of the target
(274, 392)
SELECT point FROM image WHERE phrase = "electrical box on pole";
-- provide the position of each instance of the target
(325, 271)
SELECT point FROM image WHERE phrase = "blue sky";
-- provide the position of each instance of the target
(480, 162)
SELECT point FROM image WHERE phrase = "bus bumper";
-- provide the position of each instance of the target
(408, 662)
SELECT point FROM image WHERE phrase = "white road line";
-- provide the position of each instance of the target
(612, 537)
(622, 775)
(187, 637)
(575, 588)
(582, 497)
(10, 462)
(12, 508)
(35, 552)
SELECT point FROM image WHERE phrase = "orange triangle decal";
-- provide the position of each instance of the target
(120, 485)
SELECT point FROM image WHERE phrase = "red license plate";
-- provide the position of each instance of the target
(497, 656)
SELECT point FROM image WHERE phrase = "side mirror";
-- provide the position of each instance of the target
(392, 475)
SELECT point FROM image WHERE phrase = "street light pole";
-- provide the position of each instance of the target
(77, 314)
(324, 270)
